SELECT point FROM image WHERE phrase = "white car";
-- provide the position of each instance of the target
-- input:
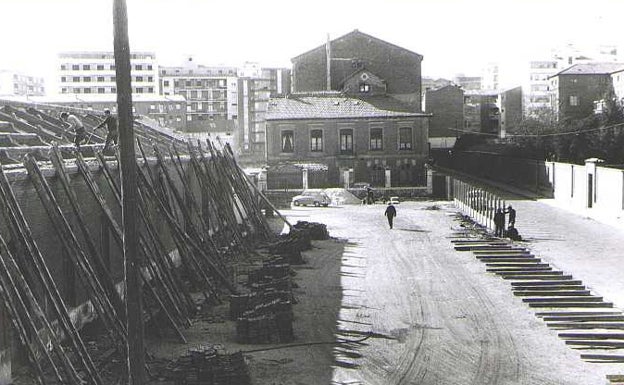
(312, 198)
(394, 200)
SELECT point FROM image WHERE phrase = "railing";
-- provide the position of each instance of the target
(477, 203)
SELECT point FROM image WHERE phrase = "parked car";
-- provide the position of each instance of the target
(312, 198)
(394, 200)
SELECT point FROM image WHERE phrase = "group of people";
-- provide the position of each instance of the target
(499, 223)
(80, 133)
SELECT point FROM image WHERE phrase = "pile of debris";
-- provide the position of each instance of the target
(206, 365)
(290, 246)
(265, 315)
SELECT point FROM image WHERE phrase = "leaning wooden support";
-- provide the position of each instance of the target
(117, 233)
(23, 233)
(76, 254)
(98, 263)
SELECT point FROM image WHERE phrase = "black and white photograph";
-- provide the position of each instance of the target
(371, 192)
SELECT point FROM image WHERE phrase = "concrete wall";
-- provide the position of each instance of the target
(447, 106)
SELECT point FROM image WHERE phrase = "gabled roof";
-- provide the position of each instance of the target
(337, 106)
(591, 69)
(353, 33)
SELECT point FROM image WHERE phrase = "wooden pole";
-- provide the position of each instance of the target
(134, 308)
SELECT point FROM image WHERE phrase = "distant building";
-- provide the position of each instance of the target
(536, 85)
(210, 92)
(490, 79)
(328, 66)
(481, 112)
(16, 83)
(378, 140)
(576, 89)
(446, 104)
(469, 83)
(510, 102)
(89, 72)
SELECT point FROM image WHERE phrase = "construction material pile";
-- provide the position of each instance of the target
(265, 314)
(290, 246)
(207, 366)
(317, 231)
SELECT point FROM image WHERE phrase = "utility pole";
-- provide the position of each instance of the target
(134, 308)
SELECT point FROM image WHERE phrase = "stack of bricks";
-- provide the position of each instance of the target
(265, 314)
(206, 366)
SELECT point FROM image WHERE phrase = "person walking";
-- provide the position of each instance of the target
(512, 216)
(76, 126)
(499, 223)
(111, 124)
(390, 213)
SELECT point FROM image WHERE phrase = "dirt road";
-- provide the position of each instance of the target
(438, 317)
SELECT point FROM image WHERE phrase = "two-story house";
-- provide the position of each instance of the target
(377, 140)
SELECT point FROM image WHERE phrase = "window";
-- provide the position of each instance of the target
(187, 83)
(364, 88)
(112, 67)
(149, 67)
(86, 67)
(405, 138)
(86, 79)
(100, 78)
(113, 78)
(193, 95)
(101, 90)
(75, 67)
(346, 141)
(100, 67)
(150, 90)
(288, 144)
(376, 139)
(574, 100)
(139, 90)
(87, 90)
(139, 78)
(150, 78)
(316, 140)
(63, 79)
(138, 67)
(76, 79)
(166, 83)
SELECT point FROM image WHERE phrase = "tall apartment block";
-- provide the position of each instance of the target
(16, 83)
(208, 91)
(94, 73)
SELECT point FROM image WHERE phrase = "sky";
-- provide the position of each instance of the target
(454, 36)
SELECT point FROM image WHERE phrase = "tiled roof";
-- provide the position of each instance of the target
(333, 106)
(592, 69)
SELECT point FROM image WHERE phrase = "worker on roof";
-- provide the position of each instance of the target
(111, 124)
(76, 126)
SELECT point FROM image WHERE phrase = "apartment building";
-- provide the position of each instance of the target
(17, 83)
(94, 73)
(210, 92)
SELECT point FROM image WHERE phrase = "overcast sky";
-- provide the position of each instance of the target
(455, 36)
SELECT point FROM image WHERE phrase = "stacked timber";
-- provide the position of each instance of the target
(317, 231)
(265, 315)
(206, 366)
